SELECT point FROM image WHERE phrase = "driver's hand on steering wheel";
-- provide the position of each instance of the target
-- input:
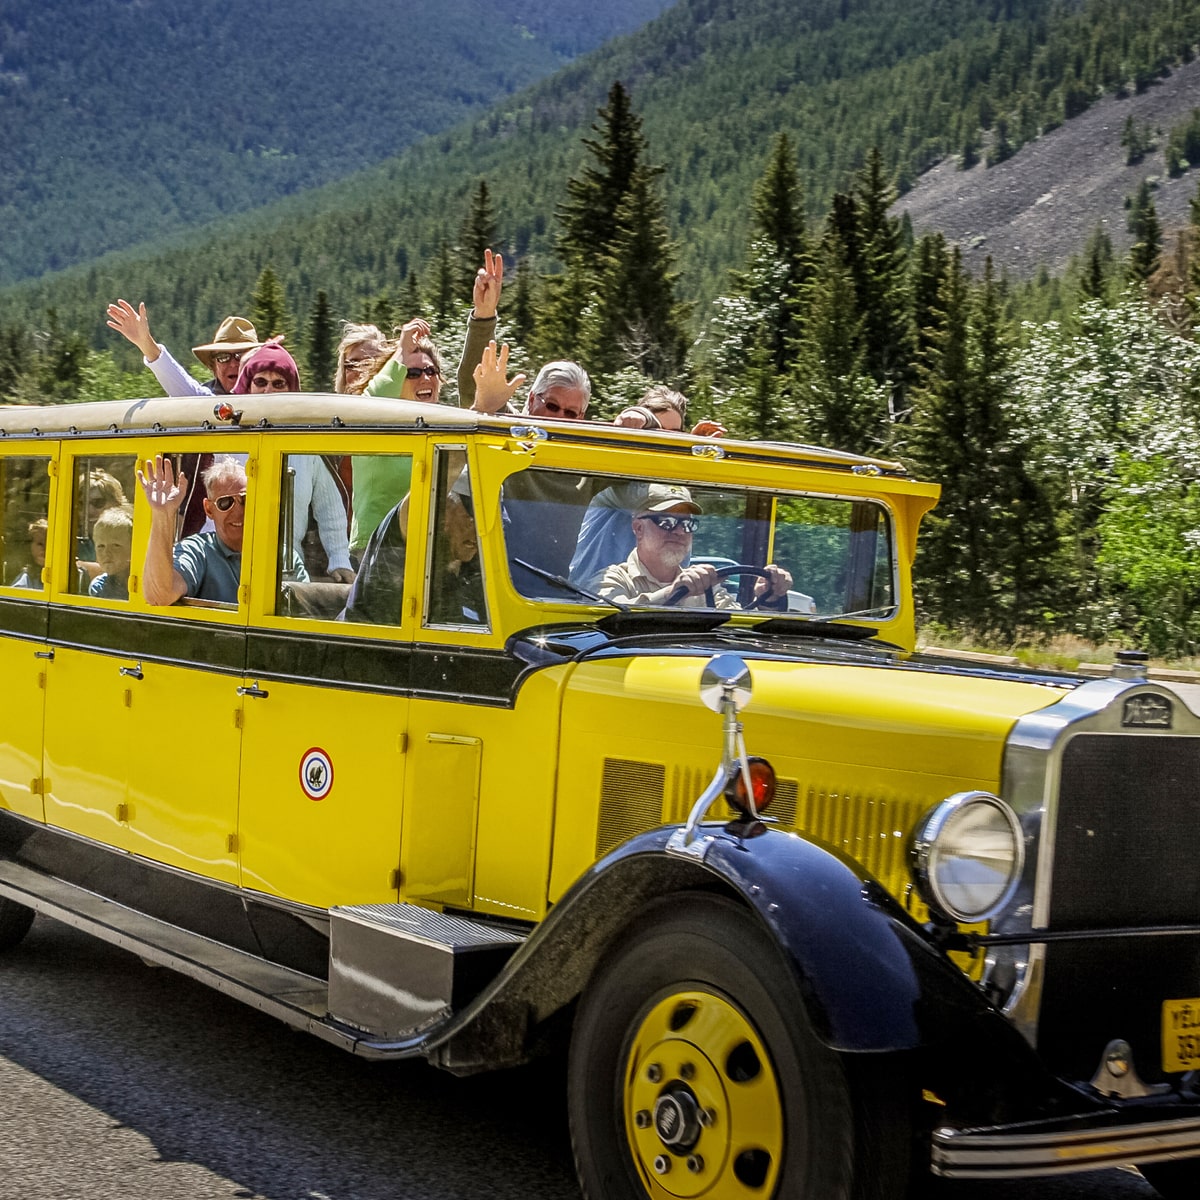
(697, 578)
(776, 583)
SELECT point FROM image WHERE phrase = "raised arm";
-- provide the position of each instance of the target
(161, 581)
(134, 325)
(481, 324)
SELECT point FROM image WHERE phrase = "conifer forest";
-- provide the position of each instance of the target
(708, 202)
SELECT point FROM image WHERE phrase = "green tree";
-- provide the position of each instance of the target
(410, 297)
(522, 315)
(322, 358)
(268, 305)
(478, 234)
(1147, 235)
(1098, 267)
(443, 284)
(639, 323)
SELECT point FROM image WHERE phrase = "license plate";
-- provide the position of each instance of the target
(1181, 1035)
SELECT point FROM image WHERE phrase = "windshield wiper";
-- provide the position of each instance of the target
(815, 627)
(567, 586)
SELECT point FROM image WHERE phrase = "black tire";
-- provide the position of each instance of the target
(1174, 1180)
(694, 1016)
(15, 920)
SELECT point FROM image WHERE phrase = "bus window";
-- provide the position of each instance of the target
(454, 578)
(101, 484)
(25, 501)
(321, 575)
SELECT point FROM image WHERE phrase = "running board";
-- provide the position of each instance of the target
(396, 970)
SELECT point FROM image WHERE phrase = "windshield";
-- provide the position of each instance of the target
(640, 543)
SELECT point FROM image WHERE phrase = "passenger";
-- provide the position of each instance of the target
(97, 491)
(207, 566)
(31, 576)
(664, 522)
(222, 356)
(363, 350)
(113, 534)
(457, 590)
(414, 372)
(663, 408)
(271, 370)
(561, 390)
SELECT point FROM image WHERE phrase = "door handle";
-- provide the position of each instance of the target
(134, 672)
(44, 654)
(253, 690)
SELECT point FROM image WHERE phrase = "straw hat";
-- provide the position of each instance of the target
(235, 333)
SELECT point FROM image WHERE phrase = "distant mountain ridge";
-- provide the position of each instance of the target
(125, 120)
(1040, 206)
(715, 81)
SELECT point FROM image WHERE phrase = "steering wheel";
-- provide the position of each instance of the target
(723, 573)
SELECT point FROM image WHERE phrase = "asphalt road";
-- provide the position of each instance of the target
(120, 1081)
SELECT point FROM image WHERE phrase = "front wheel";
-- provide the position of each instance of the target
(693, 1071)
(1174, 1180)
(15, 920)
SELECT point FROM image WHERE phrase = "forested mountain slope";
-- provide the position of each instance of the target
(715, 81)
(124, 120)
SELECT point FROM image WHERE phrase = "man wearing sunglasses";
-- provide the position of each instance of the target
(207, 566)
(664, 522)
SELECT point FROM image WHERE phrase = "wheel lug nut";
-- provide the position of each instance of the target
(687, 1071)
(695, 1163)
(642, 1119)
(654, 1073)
(662, 1164)
(708, 1117)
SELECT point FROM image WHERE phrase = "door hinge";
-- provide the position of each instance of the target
(402, 743)
(394, 879)
(231, 843)
(35, 786)
(237, 718)
(123, 813)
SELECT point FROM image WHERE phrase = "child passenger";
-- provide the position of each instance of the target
(113, 535)
(31, 577)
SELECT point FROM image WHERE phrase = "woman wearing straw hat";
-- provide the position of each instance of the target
(222, 356)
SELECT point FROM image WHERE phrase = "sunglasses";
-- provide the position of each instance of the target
(669, 523)
(555, 409)
(228, 357)
(225, 503)
(417, 372)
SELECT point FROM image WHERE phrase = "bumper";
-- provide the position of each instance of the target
(1014, 1151)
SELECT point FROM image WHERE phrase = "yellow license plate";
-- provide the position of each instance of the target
(1181, 1035)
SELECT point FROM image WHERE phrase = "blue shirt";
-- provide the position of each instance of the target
(210, 568)
(110, 587)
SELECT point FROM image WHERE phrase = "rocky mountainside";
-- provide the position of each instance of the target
(1040, 206)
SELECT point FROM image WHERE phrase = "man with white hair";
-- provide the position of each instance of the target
(207, 566)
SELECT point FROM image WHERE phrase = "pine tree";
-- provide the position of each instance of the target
(268, 306)
(1147, 235)
(1098, 266)
(639, 323)
(321, 361)
(878, 261)
(588, 216)
(478, 234)
(524, 306)
(838, 403)
(410, 297)
(444, 283)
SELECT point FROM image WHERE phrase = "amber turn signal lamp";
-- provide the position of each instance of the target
(762, 786)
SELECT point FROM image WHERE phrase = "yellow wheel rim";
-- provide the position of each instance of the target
(703, 1112)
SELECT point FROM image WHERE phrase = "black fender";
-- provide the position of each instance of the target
(871, 978)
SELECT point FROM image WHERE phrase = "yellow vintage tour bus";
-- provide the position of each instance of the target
(618, 747)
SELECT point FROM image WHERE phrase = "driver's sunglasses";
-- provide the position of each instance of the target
(228, 357)
(417, 372)
(669, 523)
(225, 503)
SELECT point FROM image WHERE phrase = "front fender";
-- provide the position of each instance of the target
(870, 978)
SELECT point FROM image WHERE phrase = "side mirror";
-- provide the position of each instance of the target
(726, 680)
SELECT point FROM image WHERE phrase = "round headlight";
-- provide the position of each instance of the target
(968, 854)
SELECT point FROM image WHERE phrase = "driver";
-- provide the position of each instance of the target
(664, 520)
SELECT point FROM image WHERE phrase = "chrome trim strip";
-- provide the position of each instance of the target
(1000, 1154)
